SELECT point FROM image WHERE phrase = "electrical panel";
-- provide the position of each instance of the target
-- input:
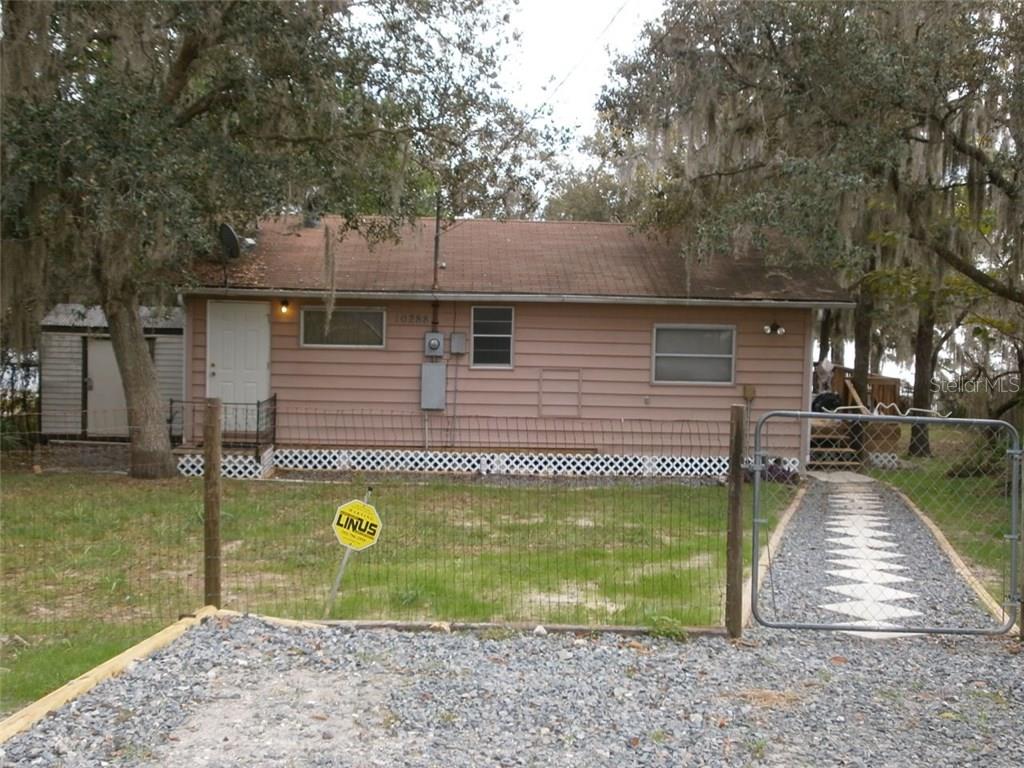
(457, 343)
(433, 344)
(433, 386)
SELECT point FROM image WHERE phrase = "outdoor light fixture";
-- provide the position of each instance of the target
(284, 307)
(774, 330)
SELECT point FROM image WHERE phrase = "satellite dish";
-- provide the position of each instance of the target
(229, 242)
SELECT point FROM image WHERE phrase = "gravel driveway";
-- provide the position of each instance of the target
(247, 692)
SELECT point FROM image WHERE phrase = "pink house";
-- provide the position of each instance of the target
(525, 336)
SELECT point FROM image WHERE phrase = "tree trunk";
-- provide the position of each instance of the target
(862, 323)
(877, 352)
(838, 342)
(924, 372)
(151, 455)
(824, 335)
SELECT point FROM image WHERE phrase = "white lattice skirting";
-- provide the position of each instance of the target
(246, 467)
(884, 460)
(525, 464)
(237, 466)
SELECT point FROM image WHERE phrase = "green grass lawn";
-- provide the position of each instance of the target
(972, 512)
(92, 563)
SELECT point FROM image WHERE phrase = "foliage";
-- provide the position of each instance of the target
(862, 131)
(593, 194)
(131, 130)
(603, 191)
(151, 122)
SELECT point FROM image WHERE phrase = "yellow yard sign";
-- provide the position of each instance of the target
(357, 525)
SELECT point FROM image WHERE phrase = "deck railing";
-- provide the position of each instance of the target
(883, 391)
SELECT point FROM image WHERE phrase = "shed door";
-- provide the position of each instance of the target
(238, 359)
(106, 410)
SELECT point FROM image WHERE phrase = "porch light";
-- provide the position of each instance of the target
(774, 330)
(284, 306)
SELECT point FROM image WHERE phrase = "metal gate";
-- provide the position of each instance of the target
(906, 523)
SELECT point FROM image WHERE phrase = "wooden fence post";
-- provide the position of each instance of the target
(211, 502)
(734, 537)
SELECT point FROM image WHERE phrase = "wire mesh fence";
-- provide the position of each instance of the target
(590, 522)
(494, 520)
(910, 523)
(92, 559)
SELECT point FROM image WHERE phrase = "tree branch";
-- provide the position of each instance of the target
(203, 105)
(731, 171)
(963, 266)
(941, 341)
(177, 78)
(1013, 402)
(977, 153)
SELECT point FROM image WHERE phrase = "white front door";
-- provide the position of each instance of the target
(238, 359)
(106, 410)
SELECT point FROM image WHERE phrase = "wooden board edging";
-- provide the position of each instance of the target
(37, 710)
(765, 559)
(959, 565)
(573, 629)
(473, 626)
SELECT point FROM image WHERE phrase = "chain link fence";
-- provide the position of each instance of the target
(908, 523)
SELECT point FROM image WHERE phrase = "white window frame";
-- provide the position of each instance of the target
(511, 338)
(384, 328)
(692, 327)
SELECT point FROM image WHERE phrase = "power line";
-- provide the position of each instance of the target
(576, 66)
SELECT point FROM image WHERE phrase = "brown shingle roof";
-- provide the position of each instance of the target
(542, 258)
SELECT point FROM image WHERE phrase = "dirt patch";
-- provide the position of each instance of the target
(702, 560)
(75, 607)
(472, 523)
(255, 585)
(767, 699)
(572, 594)
(517, 520)
(292, 719)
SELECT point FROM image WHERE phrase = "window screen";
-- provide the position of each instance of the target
(348, 328)
(492, 336)
(693, 354)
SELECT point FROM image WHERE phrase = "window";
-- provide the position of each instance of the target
(492, 336)
(696, 354)
(363, 327)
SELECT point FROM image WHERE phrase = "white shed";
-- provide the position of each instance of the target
(80, 388)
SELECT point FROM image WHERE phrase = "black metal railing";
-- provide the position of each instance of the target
(244, 425)
(266, 423)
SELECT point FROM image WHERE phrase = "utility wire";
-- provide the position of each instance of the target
(576, 66)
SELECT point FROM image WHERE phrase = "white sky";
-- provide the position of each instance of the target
(574, 40)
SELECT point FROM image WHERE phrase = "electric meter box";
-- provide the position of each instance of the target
(433, 344)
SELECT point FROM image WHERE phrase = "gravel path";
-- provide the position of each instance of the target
(858, 542)
(247, 692)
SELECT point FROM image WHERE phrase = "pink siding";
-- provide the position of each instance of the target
(571, 361)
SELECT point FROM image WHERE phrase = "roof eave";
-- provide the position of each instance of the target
(538, 298)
